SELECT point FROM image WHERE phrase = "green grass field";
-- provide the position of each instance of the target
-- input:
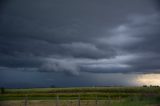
(89, 96)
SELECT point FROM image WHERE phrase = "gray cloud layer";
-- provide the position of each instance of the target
(105, 36)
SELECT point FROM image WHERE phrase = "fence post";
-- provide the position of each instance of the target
(119, 98)
(109, 101)
(96, 100)
(25, 101)
(57, 100)
(79, 101)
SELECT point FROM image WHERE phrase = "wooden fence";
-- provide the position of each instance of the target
(77, 102)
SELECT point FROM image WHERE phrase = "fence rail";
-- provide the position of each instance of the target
(72, 102)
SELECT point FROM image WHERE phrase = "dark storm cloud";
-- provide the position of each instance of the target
(105, 36)
(157, 2)
(3, 3)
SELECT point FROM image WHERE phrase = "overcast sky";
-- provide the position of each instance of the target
(86, 42)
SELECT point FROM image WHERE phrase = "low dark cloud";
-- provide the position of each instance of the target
(71, 37)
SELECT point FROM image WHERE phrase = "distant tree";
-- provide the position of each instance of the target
(151, 86)
(2, 90)
(52, 86)
(144, 85)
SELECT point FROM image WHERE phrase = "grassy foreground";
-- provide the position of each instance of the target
(86, 96)
(75, 103)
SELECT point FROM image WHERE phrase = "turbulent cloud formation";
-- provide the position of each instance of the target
(60, 66)
(105, 36)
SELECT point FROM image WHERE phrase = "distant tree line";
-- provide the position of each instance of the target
(152, 86)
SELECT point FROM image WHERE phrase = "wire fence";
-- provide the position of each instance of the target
(57, 101)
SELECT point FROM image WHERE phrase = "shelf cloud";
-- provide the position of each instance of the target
(73, 37)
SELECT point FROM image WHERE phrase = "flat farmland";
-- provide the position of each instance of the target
(81, 96)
